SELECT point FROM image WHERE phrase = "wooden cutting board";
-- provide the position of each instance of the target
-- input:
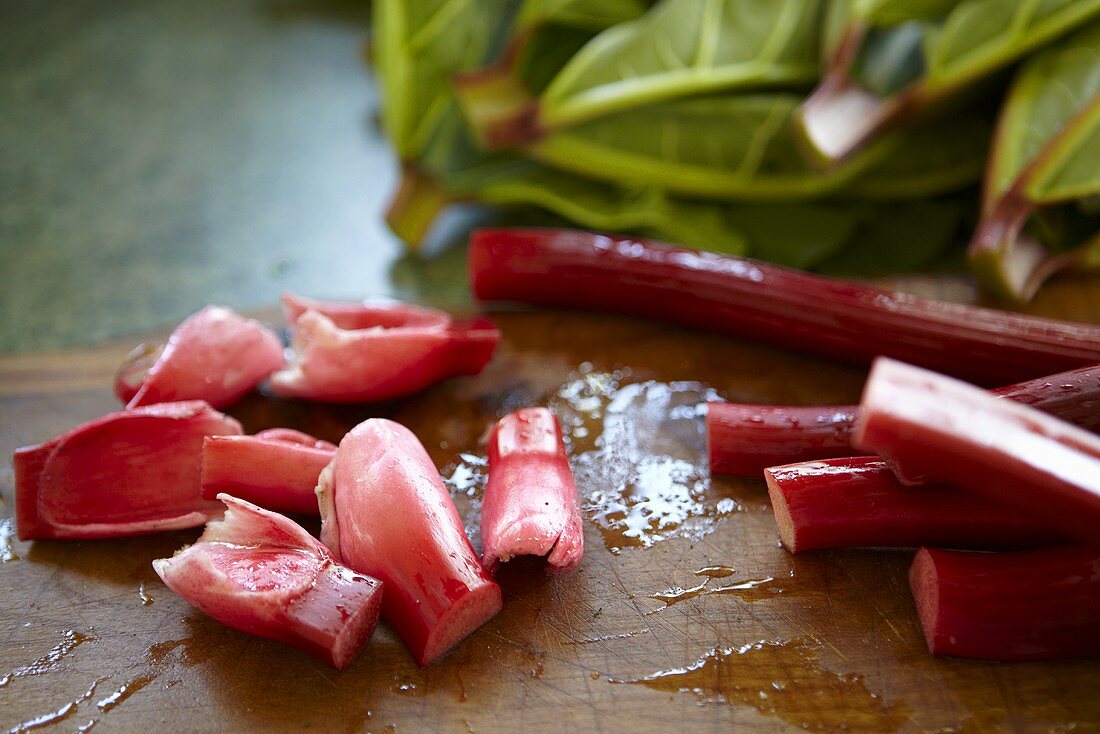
(685, 614)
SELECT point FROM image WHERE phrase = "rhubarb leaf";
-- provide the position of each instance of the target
(899, 70)
(1047, 151)
(744, 147)
(678, 48)
(592, 15)
(418, 47)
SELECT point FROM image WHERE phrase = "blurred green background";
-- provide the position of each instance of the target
(159, 155)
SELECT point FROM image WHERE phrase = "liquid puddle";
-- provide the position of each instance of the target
(608, 638)
(465, 480)
(124, 691)
(46, 663)
(61, 714)
(782, 679)
(639, 456)
(7, 541)
(747, 590)
(146, 600)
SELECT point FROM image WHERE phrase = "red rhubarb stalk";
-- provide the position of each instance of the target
(745, 439)
(215, 355)
(359, 352)
(530, 504)
(127, 473)
(260, 573)
(943, 430)
(751, 299)
(859, 503)
(1036, 605)
(386, 513)
(275, 469)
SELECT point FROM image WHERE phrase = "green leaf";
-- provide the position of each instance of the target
(678, 48)
(1047, 151)
(744, 147)
(592, 15)
(896, 12)
(973, 41)
(418, 47)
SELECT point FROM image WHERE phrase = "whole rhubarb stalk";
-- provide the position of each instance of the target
(276, 469)
(127, 473)
(530, 503)
(745, 439)
(941, 430)
(1036, 605)
(859, 503)
(215, 355)
(260, 573)
(386, 513)
(751, 299)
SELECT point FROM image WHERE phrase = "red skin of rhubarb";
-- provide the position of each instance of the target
(386, 513)
(1035, 605)
(745, 439)
(258, 572)
(215, 355)
(354, 352)
(276, 469)
(943, 430)
(127, 473)
(859, 503)
(751, 299)
(530, 504)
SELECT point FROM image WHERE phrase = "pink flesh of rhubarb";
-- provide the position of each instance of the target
(858, 502)
(127, 473)
(386, 513)
(215, 355)
(943, 430)
(346, 353)
(277, 473)
(745, 439)
(530, 504)
(258, 572)
(1036, 605)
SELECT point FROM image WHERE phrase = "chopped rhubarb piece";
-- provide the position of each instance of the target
(745, 439)
(215, 355)
(858, 502)
(1035, 605)
(386, 513)
(260, 573)
(752, 299)
(941, 430)
(354, 352)
(276, 469)
(127, 473)
(530, 505)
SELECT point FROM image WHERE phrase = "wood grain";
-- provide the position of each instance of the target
(830, 642)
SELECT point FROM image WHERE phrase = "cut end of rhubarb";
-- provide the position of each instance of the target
(924, 582)
(837, 120)
(501, 111)
(781, 510)
(134, 369)
(467, 614)
(415, 206)
(1008, 263)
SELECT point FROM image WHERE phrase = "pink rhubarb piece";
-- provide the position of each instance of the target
(358, 352)
(938, 429)
(215, 355)
(127, 473)
(258, 572)
(277, 469)
(386, 513)
(530, 504)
